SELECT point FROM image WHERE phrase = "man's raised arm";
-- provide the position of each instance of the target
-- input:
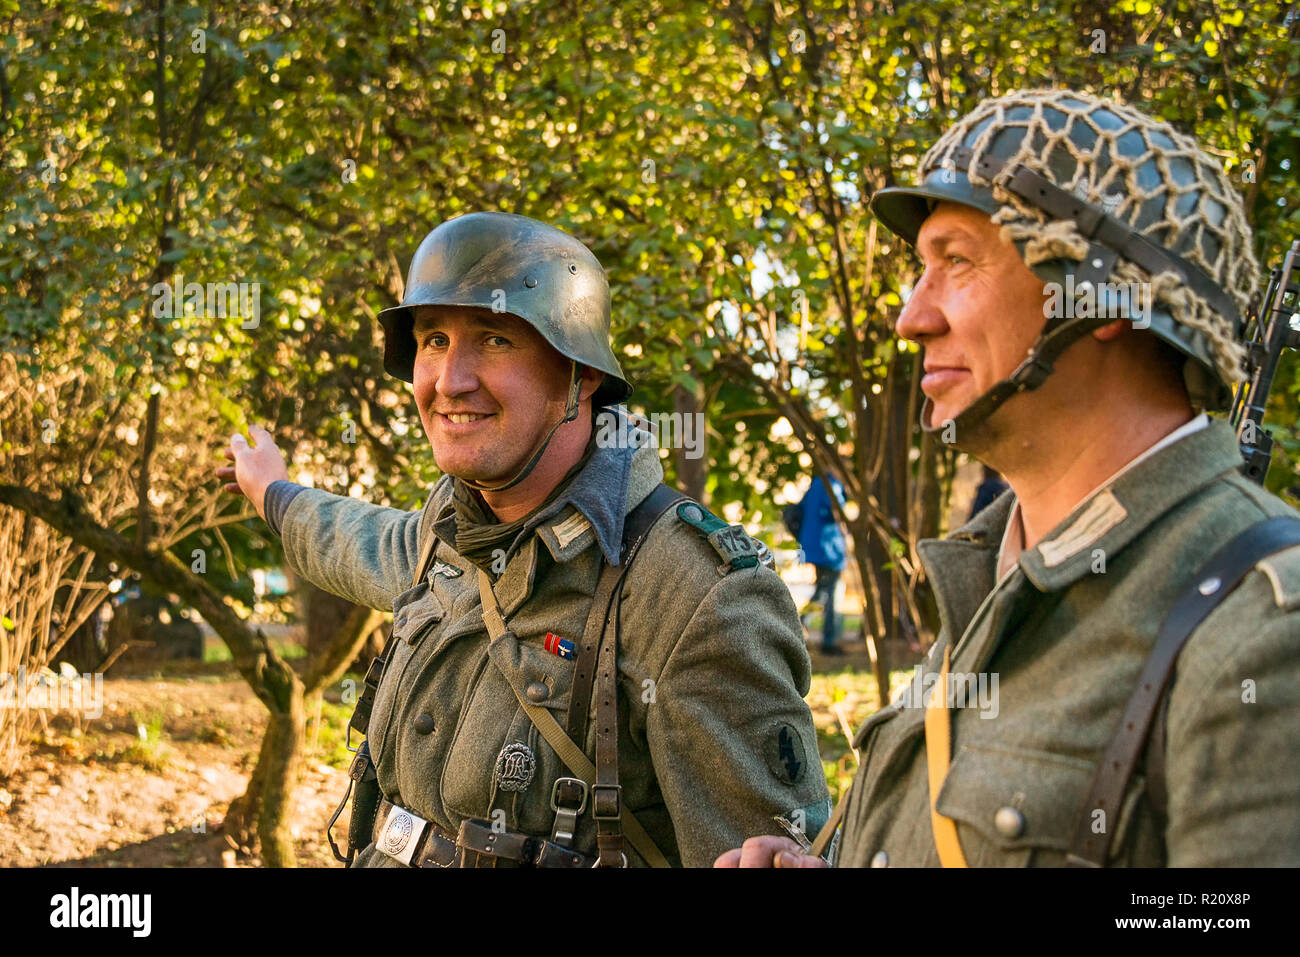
(364, 553)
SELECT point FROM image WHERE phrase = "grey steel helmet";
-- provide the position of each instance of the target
(1094, 191)
(516, 265)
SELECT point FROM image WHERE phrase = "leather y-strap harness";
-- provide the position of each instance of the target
(613, 820)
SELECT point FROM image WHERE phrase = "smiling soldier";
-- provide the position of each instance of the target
(1128, 533)
(585, 667)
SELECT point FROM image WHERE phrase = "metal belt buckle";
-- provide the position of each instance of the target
(401, 834)
(566, 815)
(606, 801)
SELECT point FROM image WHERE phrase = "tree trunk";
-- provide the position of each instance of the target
(264, 809)
(282, 754)
(874, 613)
(692, 473)
(337, 630)
(325, 615)
(240, 823)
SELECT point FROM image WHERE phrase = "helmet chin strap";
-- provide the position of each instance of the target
(1107, 238)
(570, 413)
(1029, 375)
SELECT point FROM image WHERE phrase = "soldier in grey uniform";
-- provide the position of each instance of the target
(585, 667)
(1116, 680)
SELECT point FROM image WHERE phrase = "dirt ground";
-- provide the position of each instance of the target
(103, 796)
(149, 782)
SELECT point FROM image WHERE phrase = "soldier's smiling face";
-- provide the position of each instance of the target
(975, 312)
(488, 387)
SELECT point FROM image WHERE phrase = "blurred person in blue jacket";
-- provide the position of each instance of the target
(992, 484)
(823, 547)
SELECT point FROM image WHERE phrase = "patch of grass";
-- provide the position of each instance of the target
(216, 652)
(150, 750)
(844, 700)
(330, 733)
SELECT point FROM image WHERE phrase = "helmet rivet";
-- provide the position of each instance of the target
(1096, 264)
(530, 281)
(573, 268)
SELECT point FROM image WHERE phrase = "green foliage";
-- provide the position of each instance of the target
(717, 158)
(841, 700)
(218, 653)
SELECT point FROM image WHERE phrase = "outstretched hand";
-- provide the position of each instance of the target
(256, 466)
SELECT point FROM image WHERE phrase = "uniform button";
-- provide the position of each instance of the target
(424, 724)
(1009, 822)
(880, 860)
(537, 691)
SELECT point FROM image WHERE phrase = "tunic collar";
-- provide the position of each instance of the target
(962, 568)
(1133, 500)
(1013, 539)
(623, 469)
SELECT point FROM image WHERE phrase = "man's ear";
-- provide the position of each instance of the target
(1110, 331)
(591, 380)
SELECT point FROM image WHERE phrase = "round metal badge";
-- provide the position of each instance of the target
(515, 767)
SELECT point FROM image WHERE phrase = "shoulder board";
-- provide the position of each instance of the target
(737, 549)
(1283, 572)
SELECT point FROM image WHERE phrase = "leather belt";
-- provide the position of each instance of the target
(415, 842)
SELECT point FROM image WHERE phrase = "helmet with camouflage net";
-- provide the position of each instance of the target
(516, 265)
(1094, 191)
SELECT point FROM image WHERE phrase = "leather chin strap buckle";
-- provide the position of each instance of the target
(1031, 373)
(1059, 333)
